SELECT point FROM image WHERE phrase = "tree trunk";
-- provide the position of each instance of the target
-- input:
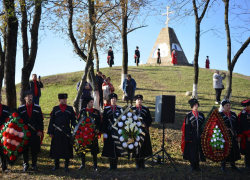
(96, 56)
(124, 42)
(95, 87)
(29, 59)
(10, 53)
(2, 60)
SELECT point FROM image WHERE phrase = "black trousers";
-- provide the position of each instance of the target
(101, 99)
(217, 94)
(3, 161)
(26, 159)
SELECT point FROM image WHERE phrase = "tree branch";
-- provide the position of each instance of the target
(136, 28)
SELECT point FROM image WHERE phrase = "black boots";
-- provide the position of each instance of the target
(223, 166)
(66, 168)
(234, 167)
(56, 161)
(95, 162)
(113, 163)
(140, 163)
(83, 162)
(34, 160)
(4, 164)
(192, 167)
(195, 166)
(25, 161)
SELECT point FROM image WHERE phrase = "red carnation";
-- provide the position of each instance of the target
(77, 132)
(25, 142)
(25, 127)
(1, 127)
(12, 147)
(5, 151)
(88, 142)
(5, 143)
(20, 149)
(79, 141)
(77, 136)
(82, 128)
(19, 129)
(8, 146)
(11, 125)
(83, 144)
(18, 139)
(4, 133)
(1, 143)
(87, 120)
(7, 119)
(21, 121)
(14, 114)
(12, 157)
(28, 134)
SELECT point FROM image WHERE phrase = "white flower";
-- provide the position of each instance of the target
(138, 123)
(212, 140)
(221, 135)
(129, 114)
(130, 120)
(223, 140)
(127, 123)
(124, 144)
(105, 135)
(219, 130)
(136, 144)
(127, 128)
(215, 140)
(120, 124)
(214, 145)
(131, 146)
(121, 110)
(115, 119)
(221, 146)
(136, 128)
(121, 139)
(216, 126)
(138, 138)
(213, 135)
(217, 134)
(140, 130)
(135, 118)
(215, 131)
(120, 131)
(218, 138)
(124, 118)
(117, 114)
(131, 127)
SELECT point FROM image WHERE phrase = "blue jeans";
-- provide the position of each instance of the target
(36, 100)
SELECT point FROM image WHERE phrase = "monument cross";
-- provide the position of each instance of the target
(167, 15)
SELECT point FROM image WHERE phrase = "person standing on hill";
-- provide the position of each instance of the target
(190, 143)
(87, 89)
(62, 117)
(159, 56)
(110, 57)
(99, 81)
(137, 56)
(129, 87)
(35, 88)
(174, 57)
(218, 86)
(207, 63)
(4, 113)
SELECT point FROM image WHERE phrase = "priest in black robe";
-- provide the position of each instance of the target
(146, 149)
(191, 132)
(137, 56)
(63, 117)
(110, 57)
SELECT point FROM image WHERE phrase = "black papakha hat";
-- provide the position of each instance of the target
(158, 48)
(63, 96)
(110, 47)
(113, 95)
(26, 93)
(245, 103)
(138, 96)
(192, 102)
(223, 103)
(137, 47)
(87, 99)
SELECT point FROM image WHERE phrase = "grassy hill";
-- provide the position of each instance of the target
(151, 81)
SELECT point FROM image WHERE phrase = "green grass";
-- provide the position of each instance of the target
(151, 81)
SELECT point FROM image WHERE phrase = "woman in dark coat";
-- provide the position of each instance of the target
(191, 141)
(232, 123)
(110, 57)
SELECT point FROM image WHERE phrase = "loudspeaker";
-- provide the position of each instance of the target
(165, 109)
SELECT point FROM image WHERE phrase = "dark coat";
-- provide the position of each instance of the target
(36, 121)
(111, 54)
(99, 81)
(193, 151)
(85, 92)
(109, 149)
(39, 86)
(60, 143)
(97, 117)
(146, 149)
(137, 53)
(233, 124)
(158, 57)
(4, 114)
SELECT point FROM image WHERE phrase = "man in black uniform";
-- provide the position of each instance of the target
(191, 136)
(232, 123)
(4, 113)
(95, 114)
(146, 149)
(244, 119)
(100, 81)
(32, 115)
(137, 56)
(110, 57)
(110, 113)
(63, 117)
(159, 56)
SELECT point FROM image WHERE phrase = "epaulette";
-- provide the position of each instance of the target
(243, 111)
(119, 106)
(21, 105)
(36, 105)
(107, 107)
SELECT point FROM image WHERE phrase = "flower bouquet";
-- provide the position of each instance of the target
(130, 136)
(215, 139)
(14, 135)
(85, 134)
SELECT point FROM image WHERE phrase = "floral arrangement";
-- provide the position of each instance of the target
(215, 139)
(130, 133)
(14, 135)
(85, 134)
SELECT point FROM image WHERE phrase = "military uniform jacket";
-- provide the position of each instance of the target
(191, 136)
(111, 54)
(97, 121)
(4, 114)
(137, 53)
(244, 120)
(36, 121)
(146, 149)
(60, 143)
(232, 123)
(109, 149)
